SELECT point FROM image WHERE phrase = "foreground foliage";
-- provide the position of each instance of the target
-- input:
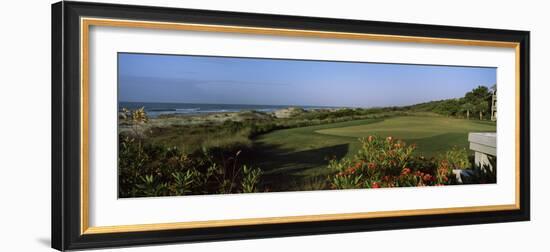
(154, 170)
(387, 162)
(147, 169)
(215, 158)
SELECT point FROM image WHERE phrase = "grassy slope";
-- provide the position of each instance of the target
(292, 159)
(431, 134)
(295, 158)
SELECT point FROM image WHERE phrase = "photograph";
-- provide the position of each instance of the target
(203, 124)
(181, 124)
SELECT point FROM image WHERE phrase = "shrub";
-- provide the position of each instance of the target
(444, 174)
(147, 170)
(388, 155)
(386, 162)
(152, 169)
(251, 178)
(457, 158)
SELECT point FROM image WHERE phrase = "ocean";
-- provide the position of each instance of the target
(155, 109)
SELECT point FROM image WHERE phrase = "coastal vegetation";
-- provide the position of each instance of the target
(295, 149)
(150, 169)
(477, 101)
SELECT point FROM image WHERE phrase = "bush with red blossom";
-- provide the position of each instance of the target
(388, 162)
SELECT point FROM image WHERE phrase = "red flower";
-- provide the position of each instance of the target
(370, 138)
(375, 185)
(371, 166)
(427, 177)
(350, 170)
(406, 171)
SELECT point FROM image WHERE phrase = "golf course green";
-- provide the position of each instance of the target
(301, 154)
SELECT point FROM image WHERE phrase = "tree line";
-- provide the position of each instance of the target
(476, 102)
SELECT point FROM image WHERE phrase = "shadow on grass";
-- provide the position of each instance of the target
(289, 170)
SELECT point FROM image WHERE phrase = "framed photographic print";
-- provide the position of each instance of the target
(180, 125)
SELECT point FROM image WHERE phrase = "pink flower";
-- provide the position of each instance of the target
(371, 166)
(427, 177)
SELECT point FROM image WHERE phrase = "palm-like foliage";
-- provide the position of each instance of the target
(467, 107)
(482, 107)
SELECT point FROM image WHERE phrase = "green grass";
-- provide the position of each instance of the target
(432, 135)
(296, 158)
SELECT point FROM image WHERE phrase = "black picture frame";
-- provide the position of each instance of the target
(66, 155)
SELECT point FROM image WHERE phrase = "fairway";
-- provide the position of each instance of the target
(431, 134)
(294, 158)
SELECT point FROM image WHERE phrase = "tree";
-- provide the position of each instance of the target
(467, 107)
(478, 100)
(477, 95)
(449, 107)
(480, 97)
(481, 107)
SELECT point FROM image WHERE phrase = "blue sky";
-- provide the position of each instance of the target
(225, 80)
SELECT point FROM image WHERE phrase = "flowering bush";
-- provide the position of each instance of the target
(389, 155)
(444, 173)
(458, 158)
(387, 162)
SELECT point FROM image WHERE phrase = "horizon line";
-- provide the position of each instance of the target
(293, 105)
